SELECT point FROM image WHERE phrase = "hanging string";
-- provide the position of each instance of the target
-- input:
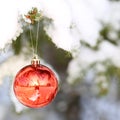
(34, 16)
(37, 35)
(31, 40)
(34, 46)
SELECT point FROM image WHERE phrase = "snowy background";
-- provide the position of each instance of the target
(80, 41)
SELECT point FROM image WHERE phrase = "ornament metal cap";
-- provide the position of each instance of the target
(35, 60)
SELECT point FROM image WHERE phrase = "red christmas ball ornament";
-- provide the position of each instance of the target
(35, 85)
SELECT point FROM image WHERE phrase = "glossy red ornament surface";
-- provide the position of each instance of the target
(35, 85)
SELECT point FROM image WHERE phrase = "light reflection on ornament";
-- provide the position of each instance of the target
(35, 85)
